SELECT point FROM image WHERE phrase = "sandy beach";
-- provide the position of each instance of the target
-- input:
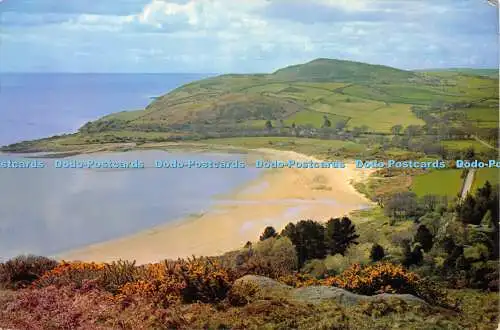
(278, 197)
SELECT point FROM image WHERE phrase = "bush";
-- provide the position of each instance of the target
(109, 277)
(242, 295)
(268, 233)
(298, 280)
(272, 258)
(375, 279)
(424, 237)
(388, 278)
(315, 268)
(23, 270)
(71, 273)
(377, 253)
(205, 280)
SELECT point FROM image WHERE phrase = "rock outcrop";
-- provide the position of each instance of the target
(253, 287)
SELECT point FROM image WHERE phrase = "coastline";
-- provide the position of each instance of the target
(277, 197)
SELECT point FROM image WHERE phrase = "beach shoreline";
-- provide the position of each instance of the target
(275, 198)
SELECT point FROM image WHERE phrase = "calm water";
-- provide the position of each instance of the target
(47, 211)
(50, 210)
(40, 105)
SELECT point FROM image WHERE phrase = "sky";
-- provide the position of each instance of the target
(239, 36)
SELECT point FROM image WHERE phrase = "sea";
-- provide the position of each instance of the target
(51, 210)
(36, 105)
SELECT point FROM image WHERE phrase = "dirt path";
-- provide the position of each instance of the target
(468, 183)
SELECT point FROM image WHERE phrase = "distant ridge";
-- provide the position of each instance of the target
(492, 73)
(324, 69)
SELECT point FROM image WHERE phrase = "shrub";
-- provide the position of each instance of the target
(109, 277)
(298, 280)
(242, 294)
(424, 237)
(160, 293)
(388, 278)
(272, 258)
(374, 279)
(117, 274)
(71, 273)
(268, 233)
(23, 270)
(377, 253)
(315, 268)
(205, 280)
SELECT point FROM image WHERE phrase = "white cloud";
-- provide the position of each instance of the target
(350, 5)
(257, 35)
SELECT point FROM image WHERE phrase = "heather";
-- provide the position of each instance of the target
(196, 294)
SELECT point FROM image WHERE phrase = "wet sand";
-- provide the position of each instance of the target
(278, 197)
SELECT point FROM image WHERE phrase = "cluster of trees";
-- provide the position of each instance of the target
(407, 205)
(457, 243)
(314, 240)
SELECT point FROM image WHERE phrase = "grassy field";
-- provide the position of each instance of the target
(314, 118)
(383, 118)
(314, 147)
(485, 174)
(458, 145)
(438, 182)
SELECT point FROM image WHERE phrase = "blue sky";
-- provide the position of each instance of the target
(242, 35)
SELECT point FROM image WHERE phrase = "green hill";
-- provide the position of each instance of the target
(325, 70)
(301, 100)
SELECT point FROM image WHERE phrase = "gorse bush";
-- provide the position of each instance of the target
(386, 277)
(375, 279)
(109, 277)
(205, 279)
(71, 273)
(299, 280)
(23, 270)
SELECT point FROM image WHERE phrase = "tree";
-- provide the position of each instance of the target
(469, 153)
(326, 122)
(430, 202)
(424, 238)
(401, 205)
(396, 129)
(377, 253)
(468, 211)
(448, 244)
(268, 233)
(339, 235)
(411, 257)
(308, 237)
(269, 125)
